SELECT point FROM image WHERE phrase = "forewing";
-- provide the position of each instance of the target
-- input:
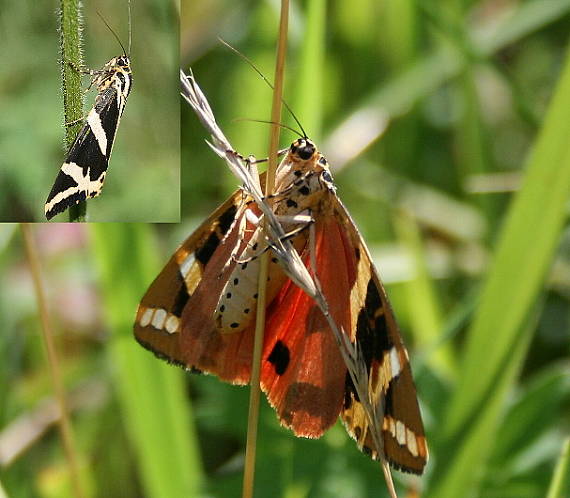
(390, 381)
(159, 321)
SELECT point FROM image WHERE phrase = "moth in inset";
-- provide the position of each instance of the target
(84, 169)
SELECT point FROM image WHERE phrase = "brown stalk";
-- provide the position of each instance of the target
(253, 418)
(47, 332)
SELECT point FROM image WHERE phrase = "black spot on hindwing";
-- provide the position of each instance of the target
(279, 357)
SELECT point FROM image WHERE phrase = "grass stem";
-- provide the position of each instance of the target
(253, 418)
(47, 331)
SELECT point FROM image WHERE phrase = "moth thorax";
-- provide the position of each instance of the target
(236, 308)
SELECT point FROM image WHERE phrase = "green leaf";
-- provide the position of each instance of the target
(560, 484)
(497, 341)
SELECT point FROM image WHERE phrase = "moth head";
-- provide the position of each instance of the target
(123, 61)
(303, 149)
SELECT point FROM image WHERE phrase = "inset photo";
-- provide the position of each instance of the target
(90, 112)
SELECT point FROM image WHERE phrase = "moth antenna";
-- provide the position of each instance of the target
(112, 31)
(287, 127)
(253, 66)
(130, 27)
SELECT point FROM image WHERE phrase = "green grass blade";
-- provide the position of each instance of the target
(156, 411)
(2, 491)
(560, 484)
(498, 338)
(426, 315)
(539, 409)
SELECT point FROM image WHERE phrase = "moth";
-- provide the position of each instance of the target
(83, 172)
(199, 313)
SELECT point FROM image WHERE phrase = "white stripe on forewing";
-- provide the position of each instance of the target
(76, 172)
(404, 436)
(400, 433)
(84, 184)
(187, 264)
(172, 323)
(94, 121)
(159, 319)
(146, 317)
(411, 442)
(395, 362)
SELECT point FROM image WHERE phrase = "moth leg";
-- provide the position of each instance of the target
(80, 69)
(75, 121)
(252, 158)
(288, 236)
(282, 195)
(306, 221)
(94, 73)
(304, 218)
(251, 258)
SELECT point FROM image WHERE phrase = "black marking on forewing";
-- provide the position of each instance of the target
(207, 249)
(227, 218)
(389, 400)
(70, 200)
(371, 330)
(349, 392)
(86, 153)
(279, 357)
(62, 182)
(367, 451)
(109, 121)
(181, 298)
(357, 253)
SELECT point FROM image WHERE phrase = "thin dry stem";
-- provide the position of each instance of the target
(249, 469)
(47, 331)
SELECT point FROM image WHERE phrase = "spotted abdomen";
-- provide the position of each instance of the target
(237, 304)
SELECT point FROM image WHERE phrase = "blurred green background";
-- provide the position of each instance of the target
(143, 178)
(446, 124)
